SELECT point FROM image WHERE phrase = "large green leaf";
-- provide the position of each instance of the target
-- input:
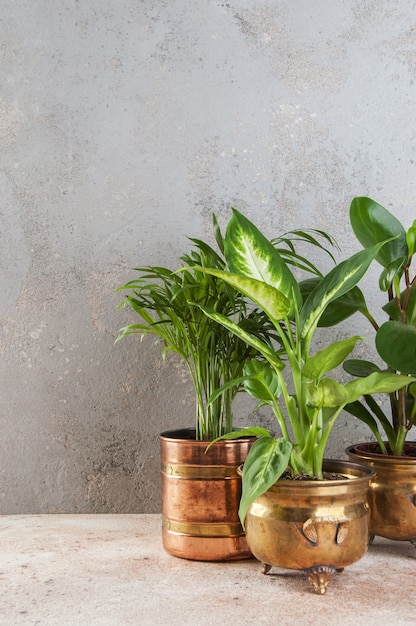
(330, 357)
(360, 367)
(378, 382)
(338, 310)
(273, 302)
(267, 460)
(396, 344)
(339, 281)
(249, 253)
(261, 382)
(373, 224)
(327, 393)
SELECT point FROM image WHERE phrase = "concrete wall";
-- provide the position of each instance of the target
(123, 125)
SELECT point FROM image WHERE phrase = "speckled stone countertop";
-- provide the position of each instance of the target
(112, 570)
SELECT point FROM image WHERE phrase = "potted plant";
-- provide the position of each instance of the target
(393, 489)
(197, 522)
(314, 523)
(201, 489)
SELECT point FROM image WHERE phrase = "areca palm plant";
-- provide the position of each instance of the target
(292, 380)
(170, 307)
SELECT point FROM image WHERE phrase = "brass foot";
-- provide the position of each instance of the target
(266, 568)
(371, 539)
(319, 578)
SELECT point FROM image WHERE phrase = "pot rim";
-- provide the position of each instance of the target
(358, 472)
(189, 435)
(355, 450)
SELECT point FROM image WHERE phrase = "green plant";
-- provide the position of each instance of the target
(292, 381)
(169, 304)
(395, 338)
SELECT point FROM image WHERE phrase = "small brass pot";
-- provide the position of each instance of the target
(200, 497)
(392, 496)
(316, 526)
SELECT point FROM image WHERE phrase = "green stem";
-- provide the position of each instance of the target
(400, 441)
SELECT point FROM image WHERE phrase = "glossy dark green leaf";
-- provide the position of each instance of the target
(360, 367)
(382, 418)
(396, 344)
(412, 390)
(357, 409)
(411, 239)
(392, 309)
(267, 460)
(388, 274)
(373, 224)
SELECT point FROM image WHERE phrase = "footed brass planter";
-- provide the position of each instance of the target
(316, 526)
(200, 497)
(392, 495)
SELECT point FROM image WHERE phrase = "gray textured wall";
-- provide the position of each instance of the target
(123, 125)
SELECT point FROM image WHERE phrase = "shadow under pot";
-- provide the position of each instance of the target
(317, 526)
(201, 493)
(392, 495)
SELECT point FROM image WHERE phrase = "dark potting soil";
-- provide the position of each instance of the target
(326, 476)
(374, 448)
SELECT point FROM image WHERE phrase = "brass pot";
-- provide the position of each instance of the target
(316, 526)
(392, 496)
(200, 497)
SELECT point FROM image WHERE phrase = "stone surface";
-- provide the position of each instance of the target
(101, 570)
(123, 125)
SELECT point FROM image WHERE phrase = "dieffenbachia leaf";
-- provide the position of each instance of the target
(327, 393)
(341, 308)
(273, 302)
(249, 253)
(267, 460)
(341, 279)
(378, 382)
(330, 357)
(261, 381)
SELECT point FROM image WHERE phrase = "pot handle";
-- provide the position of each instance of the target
(310, 531)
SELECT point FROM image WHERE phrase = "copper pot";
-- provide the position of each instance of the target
(392, 496)
(316, 526)
(200, 497)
